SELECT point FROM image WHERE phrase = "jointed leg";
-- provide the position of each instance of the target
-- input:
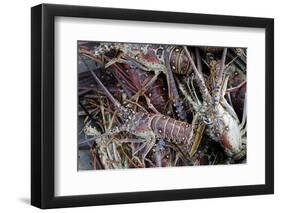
(223, 101)
(150, 105)
(187, 95)
(147, 146)
(146, 86)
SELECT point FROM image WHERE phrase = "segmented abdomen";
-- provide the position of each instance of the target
(178, 60)
(171, 129)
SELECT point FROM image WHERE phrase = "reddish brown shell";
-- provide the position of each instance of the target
(171, 129)
(178, 60)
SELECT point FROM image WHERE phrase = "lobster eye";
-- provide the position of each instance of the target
(159, 52)
(207, 120)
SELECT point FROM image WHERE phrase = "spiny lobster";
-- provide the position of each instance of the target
(219, 117)
(148, 126)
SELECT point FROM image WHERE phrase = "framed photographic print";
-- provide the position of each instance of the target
(140, 106)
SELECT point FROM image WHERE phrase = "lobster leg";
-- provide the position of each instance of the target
(192, 91)
(233, 89)
(151, 140)
(104, 135)
(114, 61)
(150, 105)
(223, 101)
(146, 147)
(146, 86)
(229, 99)
(187, 95)
(158, 155)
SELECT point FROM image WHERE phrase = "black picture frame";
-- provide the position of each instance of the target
(43, 117)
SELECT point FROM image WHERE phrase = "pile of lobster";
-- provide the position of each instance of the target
(155, 105)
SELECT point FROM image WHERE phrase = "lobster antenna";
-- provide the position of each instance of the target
(218, 80)
(116, 103)
(199, 76)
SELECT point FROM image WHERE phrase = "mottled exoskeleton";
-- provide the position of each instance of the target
(221, 121)
(151, 58)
